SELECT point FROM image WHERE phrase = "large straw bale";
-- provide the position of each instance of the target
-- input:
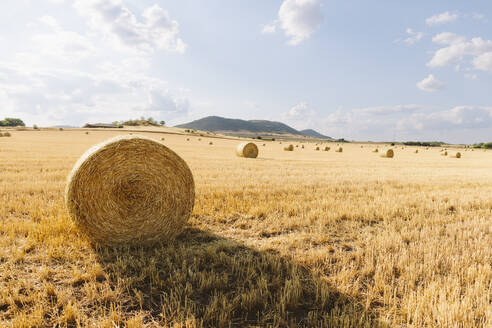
(247, 149)
(389, 154)
(130, 190)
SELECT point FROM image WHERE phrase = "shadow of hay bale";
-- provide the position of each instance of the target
(211, 281)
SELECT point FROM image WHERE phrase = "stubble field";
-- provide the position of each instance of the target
(303, 238)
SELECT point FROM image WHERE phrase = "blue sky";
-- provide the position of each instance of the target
(365, 70)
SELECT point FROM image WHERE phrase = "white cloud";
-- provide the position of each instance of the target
(61, 96)
(410, 122)
(156, 31)
(301, 115)
(413, 37)
(445, 17)
(269, 28)
(478, 16)
(448, 38)
(430, 84)
(51, 40)
(299, 19)
(299, 111)
(388, 110)
(483, 62)
(457, 48)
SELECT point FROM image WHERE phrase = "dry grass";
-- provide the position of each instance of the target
(310, 240)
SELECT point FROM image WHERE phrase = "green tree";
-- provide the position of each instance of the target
(9, 121)
(162, 122)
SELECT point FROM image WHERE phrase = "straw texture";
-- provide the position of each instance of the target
(130, 190)
(389, 154)
(247, 149)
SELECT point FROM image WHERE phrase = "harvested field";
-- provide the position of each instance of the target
(315, 240)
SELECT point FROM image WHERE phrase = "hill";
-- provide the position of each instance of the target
(247, 128)
(314, 134)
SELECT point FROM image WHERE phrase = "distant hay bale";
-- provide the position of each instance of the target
(199, 139)
(327, 148)
(289, 148)
(302, 146)
(375, 150)
(187, 139)
(264, 145)
(389, 154)
(416, 151)
(457, 155)
(130, 191)
(339, 150)
(247, 149)
(210, 143)
(162, 139)
(7, 134)
(317, 148)
(444, 154)
(60, 129)
(297, 146)
(86, 132)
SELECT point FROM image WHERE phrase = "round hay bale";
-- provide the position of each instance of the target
(210, 143)
(457, 155)
(187, 139)
(7, 134)
(339, 150)
(444, 154)
(302, 146)
(297, 146)
(327, 148)
(317, 148)
(247, 149)
(264, 145)
(389, 154)
(289, 148)
(130, 191)
(199, 139)
(162, 139)
(86, 132)
(375, 150)
(416, 151)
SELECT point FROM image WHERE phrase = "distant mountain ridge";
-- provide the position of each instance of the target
(237, 127)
